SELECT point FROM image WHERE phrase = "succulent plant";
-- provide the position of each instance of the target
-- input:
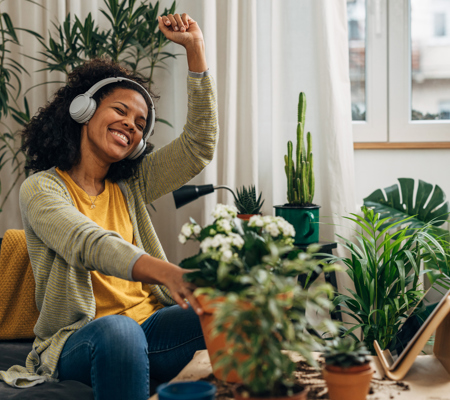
(346, 352)
(300, 177)
(246, 201)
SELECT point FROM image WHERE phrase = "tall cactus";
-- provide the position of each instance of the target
(300, 177)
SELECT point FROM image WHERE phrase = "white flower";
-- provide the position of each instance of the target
(182, 238)
(237, 240)
(256, 221)
(227, 256)
(215, 242)
(288, 230)
(272, 229)
(224, 211)
(197, 229)
(224, 225)
(186, 229)
(205, 244)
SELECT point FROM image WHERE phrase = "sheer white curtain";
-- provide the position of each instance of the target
(262, 53)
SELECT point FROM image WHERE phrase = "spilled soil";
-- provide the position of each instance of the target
(312, 378)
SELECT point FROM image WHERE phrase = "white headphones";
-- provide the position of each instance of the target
(83, 108)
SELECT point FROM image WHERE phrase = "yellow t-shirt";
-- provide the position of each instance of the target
(113, 296)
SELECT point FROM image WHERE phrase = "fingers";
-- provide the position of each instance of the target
(194, 303)
(176, 22)
(185, 18)
(187, 294)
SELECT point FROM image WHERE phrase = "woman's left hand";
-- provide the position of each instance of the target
(180, 29)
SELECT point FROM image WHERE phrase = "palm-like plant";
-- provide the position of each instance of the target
(10, 90)
(385, 267)
(132, 38)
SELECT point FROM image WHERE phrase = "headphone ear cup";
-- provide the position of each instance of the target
(90, 111)
(138, 150)
(82, 108)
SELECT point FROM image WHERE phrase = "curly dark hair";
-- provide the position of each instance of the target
(52, 138)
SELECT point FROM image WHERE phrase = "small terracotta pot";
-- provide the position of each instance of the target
(219, 342)
(348, 383)
(246, 217)
(301, 395)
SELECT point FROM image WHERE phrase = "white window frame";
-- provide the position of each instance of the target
(388, 80)
(375, 127)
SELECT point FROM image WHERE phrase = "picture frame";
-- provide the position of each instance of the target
(439, 322)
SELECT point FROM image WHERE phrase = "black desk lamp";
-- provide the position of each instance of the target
(188, 193)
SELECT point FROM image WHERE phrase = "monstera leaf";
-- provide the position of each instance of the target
(435, 211)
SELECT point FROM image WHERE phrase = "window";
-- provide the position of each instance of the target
(400, 70)
(440, 25)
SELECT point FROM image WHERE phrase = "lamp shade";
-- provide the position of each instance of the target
(188, 193)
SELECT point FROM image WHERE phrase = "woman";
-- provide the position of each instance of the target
(91, 242)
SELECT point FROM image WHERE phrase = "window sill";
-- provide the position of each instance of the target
(400, 145)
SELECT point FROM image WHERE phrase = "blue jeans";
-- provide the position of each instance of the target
(117, 357)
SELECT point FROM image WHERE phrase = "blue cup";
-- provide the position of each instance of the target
(186, 391)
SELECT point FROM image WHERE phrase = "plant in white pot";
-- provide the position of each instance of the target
(300, 210)
(264, 323)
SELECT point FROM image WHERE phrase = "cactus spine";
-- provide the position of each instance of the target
(300, 177)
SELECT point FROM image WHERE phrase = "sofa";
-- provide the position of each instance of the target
(15, 351)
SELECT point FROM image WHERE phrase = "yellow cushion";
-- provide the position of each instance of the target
(18, 312)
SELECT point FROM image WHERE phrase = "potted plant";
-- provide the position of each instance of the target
(385, 268)
(247, 203)
(347, 369)
(300, 210)
(229, 249)
(263, 325)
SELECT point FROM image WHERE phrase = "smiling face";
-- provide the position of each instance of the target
(116, 127)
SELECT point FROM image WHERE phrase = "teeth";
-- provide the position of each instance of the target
(123, 137)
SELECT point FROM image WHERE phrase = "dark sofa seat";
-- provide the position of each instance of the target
(15, 353)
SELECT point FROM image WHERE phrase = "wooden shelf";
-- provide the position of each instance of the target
(400, 145)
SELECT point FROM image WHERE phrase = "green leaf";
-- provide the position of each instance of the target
(10, 27)
(391, 206)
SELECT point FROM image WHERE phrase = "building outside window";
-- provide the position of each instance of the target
(399, 54)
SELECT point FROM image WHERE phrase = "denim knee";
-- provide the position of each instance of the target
(120, 334)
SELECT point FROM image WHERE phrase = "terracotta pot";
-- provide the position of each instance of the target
(348, 383)
(246, 217)
(301, 395)
(219, 342)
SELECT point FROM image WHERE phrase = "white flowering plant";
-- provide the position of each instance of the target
(230, 248)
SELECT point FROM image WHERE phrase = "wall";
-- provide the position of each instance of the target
(376, 169)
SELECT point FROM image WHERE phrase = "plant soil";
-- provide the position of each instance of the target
(312, 378)
(294, 205)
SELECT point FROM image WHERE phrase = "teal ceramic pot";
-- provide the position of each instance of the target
(305, 221)
(198, 390)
